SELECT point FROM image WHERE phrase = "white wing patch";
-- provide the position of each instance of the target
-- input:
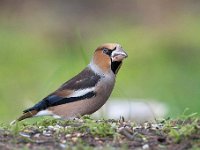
(44, 113)
(47, 113)
(81, 92)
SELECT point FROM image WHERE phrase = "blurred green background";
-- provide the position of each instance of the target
(44, 43)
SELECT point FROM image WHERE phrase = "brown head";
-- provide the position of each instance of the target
(108, 57)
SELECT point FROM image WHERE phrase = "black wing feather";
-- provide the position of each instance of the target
(55, 100)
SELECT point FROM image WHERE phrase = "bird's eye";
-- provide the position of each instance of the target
(107, 51)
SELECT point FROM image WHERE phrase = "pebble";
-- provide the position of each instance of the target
(137, 127)
(78, 134)
(63, 141)
(146, 146)
(62, 145)
(96, 138)
(74, 139)
(147, 125)
(156, 126)
(100, 142)
(46, 133)
(24, 134)
(67, 127)
(50, 127)
(68, 135)
(37, 135)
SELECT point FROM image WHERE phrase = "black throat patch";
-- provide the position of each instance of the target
(115, 65)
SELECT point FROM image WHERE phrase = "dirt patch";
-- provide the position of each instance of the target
(86, 133)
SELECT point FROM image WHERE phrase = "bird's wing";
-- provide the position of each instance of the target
(78, 88)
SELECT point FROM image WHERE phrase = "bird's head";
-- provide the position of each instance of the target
(108, 57)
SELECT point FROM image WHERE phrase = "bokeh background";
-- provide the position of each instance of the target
(45, 42)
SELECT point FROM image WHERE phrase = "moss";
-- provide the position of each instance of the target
(87, 133)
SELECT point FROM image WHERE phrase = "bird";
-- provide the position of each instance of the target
(86, 92)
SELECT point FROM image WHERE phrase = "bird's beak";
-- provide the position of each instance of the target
(119, 54)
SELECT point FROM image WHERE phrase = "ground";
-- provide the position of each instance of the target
(87, 133)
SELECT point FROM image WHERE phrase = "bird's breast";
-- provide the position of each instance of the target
(103, 91)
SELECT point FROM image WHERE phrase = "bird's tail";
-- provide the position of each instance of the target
(27, 114)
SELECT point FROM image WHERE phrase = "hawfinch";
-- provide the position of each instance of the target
(86, 92)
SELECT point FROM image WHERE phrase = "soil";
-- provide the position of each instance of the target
(100, 134)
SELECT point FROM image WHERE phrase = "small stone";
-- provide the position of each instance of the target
(146, 146)
(50, 127)
(78, 134)
(37, 135)
(67, 127)
(144, 139)
(47, 133)
(96, 138)
(137, 127)
(156, 126)
(74, 139)
(63, 141)
(68, 135)
(58, 126)
(147, 125)
(56, 129)
(24, 134)
(62, 145)
(100, 142)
